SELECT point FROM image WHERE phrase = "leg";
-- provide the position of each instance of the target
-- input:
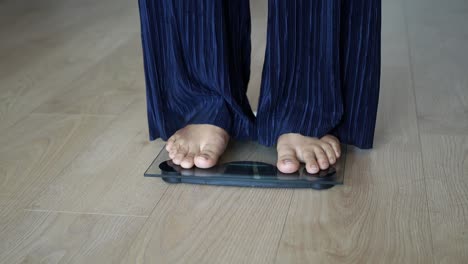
(300, 90)
(307, 91)
(360, 47)
(197, 66)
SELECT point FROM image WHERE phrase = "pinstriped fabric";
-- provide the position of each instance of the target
(321, 73)
(197, 65)
(300, 91)
(360, 49)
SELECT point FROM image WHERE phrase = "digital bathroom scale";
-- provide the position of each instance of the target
(247, 164)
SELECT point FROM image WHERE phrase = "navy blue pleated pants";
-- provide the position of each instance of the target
(320, 76)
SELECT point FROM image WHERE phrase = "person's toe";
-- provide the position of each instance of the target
(169, 146)
(334, 142)
(311, 162)
(180, 155)
(170, 142)
(327, 148)
(188, 161)
(321, 158)
(287, 159)
(173, 150)
(207, 157)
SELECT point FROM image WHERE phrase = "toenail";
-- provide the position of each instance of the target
(204, 156)
(287, 161)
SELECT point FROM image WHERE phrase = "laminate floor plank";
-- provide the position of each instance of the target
(446, 166)
(36, 150)
(437, 36)
(107, 88)
(107, 177)
(51, 237)
(209, 224)
(34, 72)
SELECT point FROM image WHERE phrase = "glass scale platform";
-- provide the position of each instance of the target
(247, 164)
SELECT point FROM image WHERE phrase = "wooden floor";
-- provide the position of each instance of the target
(74, 147)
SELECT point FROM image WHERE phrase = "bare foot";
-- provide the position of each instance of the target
(200, 145)
(315, 153)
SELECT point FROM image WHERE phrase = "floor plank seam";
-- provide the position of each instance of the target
(144, 223)
(413, 88)
(84, 213)
(74, 114)
(284, 225)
